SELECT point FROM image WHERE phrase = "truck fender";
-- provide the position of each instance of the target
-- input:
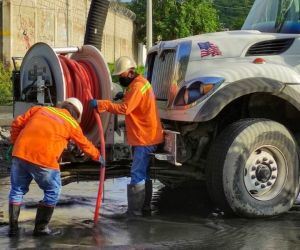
(225, 95)
(291, 93)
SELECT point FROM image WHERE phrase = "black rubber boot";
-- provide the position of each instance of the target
(14, 212)
(148, 198)
(42, 219)
(136, 199)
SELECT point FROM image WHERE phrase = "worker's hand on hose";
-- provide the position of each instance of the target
(93, 103)
(8, 155)
(119, 96)
(101, 161)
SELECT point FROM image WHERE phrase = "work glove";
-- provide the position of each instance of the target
(93, 103)
(119, 96)
(8, 155)
(101, 161)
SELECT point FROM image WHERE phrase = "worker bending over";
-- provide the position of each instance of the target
(143, 127)
(39, 137)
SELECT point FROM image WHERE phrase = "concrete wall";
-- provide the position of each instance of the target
(118, 36)
(61, 23)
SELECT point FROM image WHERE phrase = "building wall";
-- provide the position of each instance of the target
(118, 37)
(60, 23)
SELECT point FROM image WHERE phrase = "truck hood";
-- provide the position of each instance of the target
(231, 60)
(230, 44)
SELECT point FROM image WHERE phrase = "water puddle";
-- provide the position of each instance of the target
(182, 220)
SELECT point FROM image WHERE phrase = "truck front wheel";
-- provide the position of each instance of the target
(252, 169)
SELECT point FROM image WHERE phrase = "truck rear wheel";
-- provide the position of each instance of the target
(253, 169)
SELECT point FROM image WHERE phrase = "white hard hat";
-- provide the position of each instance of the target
(77, 104)
(123, 64)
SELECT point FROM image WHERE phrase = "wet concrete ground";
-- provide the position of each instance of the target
(182, 220)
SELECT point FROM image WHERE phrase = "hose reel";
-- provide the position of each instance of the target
(44, 80)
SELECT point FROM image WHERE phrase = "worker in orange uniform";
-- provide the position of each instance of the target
(143, 127)
(39, 137)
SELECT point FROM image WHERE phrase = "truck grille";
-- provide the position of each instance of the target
(163, 73)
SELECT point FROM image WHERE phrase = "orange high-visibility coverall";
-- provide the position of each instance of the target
(141, 115)
(42, 133)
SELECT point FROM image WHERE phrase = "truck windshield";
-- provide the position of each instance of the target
(274, 16)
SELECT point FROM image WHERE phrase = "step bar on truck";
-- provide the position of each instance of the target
(170, 148)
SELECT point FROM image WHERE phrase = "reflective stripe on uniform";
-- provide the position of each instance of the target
(145, 88)
(64, 116)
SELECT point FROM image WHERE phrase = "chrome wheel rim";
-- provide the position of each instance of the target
(265, 173)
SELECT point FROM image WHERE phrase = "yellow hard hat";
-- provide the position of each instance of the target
(123, 64)
(77, 104)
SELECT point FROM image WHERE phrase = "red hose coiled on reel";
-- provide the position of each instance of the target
(82, 83)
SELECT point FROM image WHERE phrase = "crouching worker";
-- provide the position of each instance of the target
(144, 131)
(39, 137)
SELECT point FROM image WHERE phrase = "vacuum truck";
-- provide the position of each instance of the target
(229, 104)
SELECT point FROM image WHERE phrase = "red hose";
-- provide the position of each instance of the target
(82, 83)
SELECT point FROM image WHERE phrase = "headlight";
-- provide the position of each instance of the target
(196, 90)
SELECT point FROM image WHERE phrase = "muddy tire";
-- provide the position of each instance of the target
(253, 169)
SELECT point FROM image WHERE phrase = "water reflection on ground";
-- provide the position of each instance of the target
(182, 220)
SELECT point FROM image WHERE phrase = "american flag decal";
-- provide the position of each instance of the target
(208, 48)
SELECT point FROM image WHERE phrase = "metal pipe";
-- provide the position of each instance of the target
(66, 50)
(149, 24)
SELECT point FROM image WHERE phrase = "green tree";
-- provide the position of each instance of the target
(175, 18)
(233, 13)
(5, 86)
